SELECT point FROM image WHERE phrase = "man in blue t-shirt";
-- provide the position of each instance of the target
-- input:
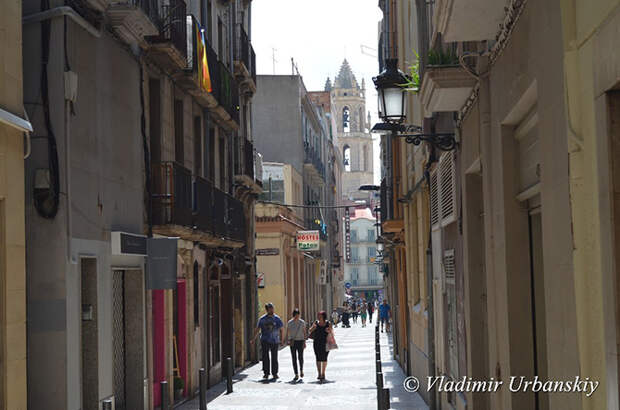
(271, 330)
(385, 313)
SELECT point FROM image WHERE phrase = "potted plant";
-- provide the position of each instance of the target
(179, 386)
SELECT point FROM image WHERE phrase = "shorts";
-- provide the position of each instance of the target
(384, 319)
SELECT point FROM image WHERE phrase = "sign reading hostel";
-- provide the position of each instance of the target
(308, 240)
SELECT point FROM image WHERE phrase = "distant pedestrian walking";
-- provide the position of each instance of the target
(385, 313)
(371, 310)
(335, 317)
(363, 313)
(322, 333)
(271, 330)
(296, 335)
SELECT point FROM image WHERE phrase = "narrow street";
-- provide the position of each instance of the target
(350, 380)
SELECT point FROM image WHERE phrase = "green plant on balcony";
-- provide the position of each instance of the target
(440, 57)
(435, 58)
(414, 75)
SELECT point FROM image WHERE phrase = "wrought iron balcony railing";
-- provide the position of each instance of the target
(218, 213)
(172, 194)
(173, 26)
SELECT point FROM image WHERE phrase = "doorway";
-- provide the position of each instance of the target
(89, 343)
(127, 339)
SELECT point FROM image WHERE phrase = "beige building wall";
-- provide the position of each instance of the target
(592, 72)
(12, 231)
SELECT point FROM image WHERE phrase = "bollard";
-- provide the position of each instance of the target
(379, 391)
(378, 365)
(386, 398)
(229, 374)
(165, 402)
(202, 380)
(107, 405)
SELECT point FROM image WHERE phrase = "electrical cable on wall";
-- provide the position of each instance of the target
(46, 201)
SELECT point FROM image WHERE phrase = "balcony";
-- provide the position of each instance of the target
(134, 20)
(169, 46)
(193, 209)
(314, 165)
(210, 84)
(245, 60)
(468, 20)
(172, 198)
(445, 88)
(245, 171)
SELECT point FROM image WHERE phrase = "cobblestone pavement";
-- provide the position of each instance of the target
(350, 380)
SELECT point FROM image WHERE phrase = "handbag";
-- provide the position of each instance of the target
(331, 344)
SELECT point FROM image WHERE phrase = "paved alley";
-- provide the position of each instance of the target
(350, 380)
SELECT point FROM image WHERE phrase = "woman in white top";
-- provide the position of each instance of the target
(296, 334)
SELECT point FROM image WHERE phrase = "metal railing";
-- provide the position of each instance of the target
(253, 64)
(150, 8)
(173, 25)
(217, 212)
(172, 194)
(312, 157)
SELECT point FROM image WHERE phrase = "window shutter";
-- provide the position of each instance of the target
(448, 263)
(447, 188)
(434, 199)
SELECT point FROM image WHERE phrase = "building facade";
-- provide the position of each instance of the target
(14, 130)
(361, 271)
(353, 137)
(283, 280)
(142, 133)
(529, 210)
(304, 127)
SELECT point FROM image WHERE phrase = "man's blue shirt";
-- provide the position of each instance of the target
(270, 328)
(384, 310)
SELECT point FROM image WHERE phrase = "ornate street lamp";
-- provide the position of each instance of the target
(392, 91)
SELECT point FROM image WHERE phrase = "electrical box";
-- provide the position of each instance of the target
(71, 86)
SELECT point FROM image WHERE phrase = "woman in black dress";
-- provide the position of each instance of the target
(321, 329)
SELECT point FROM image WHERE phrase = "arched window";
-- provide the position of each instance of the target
(346, 154)
(346, 119)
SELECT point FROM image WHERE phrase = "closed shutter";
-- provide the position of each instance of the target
(434, 200)
(446, 185)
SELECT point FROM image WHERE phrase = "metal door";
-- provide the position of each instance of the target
(118, 338)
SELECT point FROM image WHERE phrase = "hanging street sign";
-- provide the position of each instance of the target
(308, 241)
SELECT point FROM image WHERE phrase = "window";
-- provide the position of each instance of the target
(178, 132)
(372, 252)
(353, 235)
(346, 119)
(371, 235)
(346, 153)
(443, 198)
(273, 190)
(354, 276)
(222, 160)
(354, 254)
(197, 146)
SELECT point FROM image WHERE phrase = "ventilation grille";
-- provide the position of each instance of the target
(446, 169)
(448, 263)
(434, 200)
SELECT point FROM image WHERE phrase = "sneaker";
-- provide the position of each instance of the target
(275, 376)
(295, 378)
(265, 377)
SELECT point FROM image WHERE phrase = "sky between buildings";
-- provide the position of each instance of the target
(318, 35)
